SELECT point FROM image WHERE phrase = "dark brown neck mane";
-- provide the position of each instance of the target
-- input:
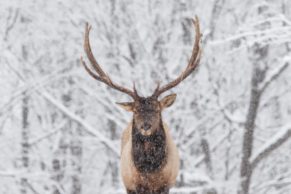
(149, 152)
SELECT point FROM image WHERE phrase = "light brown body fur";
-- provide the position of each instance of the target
(132, 178)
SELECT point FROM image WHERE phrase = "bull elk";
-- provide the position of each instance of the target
(149, 156)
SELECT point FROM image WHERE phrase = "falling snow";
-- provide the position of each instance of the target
(60, 130)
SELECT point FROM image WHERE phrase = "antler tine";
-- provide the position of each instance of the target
(101, 75)
(193, 62)
(134, 89)
(89, 71)
(87, 48)
(157, 88)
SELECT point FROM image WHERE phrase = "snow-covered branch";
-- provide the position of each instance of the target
(107, 142)
(45, 136)
(274, 75)
(65, 150)
(281, 137)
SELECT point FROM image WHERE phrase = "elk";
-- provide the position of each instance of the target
(149, 156)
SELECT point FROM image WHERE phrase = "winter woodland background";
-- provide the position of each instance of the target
(60, 129)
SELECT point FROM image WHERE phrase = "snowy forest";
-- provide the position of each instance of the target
(60, 129)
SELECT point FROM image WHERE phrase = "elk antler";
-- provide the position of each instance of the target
(193, 63)
(101, 75)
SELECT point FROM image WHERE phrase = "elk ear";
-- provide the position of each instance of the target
(128, 106)
(168, 100)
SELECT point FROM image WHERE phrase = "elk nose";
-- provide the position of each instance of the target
(147, 126)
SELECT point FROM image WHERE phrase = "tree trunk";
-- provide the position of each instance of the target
(246, 171)
(25, 126)
(208, 163)
(113, 163)
(76, 160)
(258, 74)
(24, 142)
(59, 163)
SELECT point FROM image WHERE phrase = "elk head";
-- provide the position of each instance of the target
(146, 110)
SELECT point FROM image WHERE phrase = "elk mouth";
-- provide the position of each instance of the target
(146, 132)
(145, 129)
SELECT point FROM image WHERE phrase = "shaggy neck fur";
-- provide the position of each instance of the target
(149, 152)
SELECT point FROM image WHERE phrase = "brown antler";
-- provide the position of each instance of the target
(193, 63)
(101, 75)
